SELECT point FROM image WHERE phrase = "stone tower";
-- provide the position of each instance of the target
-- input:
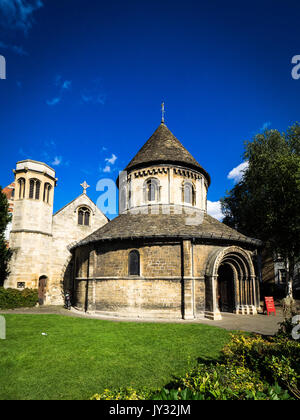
(31, 234)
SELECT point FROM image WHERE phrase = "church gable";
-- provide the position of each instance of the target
(71, 224)
(77, 219)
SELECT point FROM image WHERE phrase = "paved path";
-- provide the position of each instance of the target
(262, 324)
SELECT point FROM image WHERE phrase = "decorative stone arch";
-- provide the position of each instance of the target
(87, 206)
(86, 210)
(35, 188)
(216, 258)
(157, 189)
(46, 192)
(22, 188)
(245, 286)
(192, 186)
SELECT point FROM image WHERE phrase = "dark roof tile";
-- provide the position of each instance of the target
(185, 225)
(164, 147)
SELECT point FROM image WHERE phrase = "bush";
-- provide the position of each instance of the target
(220, 382)
(12, 298)
(277, 359)
(274, 393)
(122, 394)
(214, 382)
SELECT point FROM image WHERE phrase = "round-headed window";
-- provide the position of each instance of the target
(152, 190)
(188, 193)
(84, 216)
(134, 263)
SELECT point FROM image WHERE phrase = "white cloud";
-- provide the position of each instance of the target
(93, 93)
(112, 160)
(54, 101)
(18, 14)
(214, 209)
(237, 173)
(64, 86)
(107, 169)
(93, 98)
(57, 161)
(86, 98)
(67, 84)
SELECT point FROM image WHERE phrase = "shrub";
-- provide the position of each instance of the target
(277, 359)
(213, 383)
(122, 394)
(12, 298)
(177, 394)
(274, 393)
(221, 382)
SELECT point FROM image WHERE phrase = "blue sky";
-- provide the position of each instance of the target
(85, 80)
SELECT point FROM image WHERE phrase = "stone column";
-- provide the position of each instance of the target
(256, 292)
(212, 310)
(171, 187)
(188, 280)
(91, 286)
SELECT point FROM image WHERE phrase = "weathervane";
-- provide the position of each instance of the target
(163, 112)
(85, 186)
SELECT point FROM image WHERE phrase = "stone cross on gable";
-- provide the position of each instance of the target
(85, 186)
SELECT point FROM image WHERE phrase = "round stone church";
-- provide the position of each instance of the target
(164, 256)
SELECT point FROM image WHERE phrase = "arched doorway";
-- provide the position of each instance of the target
(42, 289)
(230, 283)
(226, 295)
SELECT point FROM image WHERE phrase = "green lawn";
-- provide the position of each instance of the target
(81, 357)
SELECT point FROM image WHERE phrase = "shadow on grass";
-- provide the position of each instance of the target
(206, 361)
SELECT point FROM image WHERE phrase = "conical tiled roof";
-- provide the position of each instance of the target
(164, 147)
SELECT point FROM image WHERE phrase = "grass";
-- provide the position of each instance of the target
(81, 357)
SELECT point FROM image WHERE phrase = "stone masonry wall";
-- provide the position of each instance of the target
(156, 293)
(171, 181)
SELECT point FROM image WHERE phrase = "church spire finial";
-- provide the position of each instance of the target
(163, 113)
(85, 186)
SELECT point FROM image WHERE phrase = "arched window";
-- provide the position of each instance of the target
(152, 190)
(34, 189)
(47, 189)
(134, 263)
(189, 196)
(22, 184)
(84, 215)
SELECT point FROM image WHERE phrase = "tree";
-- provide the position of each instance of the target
(266, 202)
(5, 253)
